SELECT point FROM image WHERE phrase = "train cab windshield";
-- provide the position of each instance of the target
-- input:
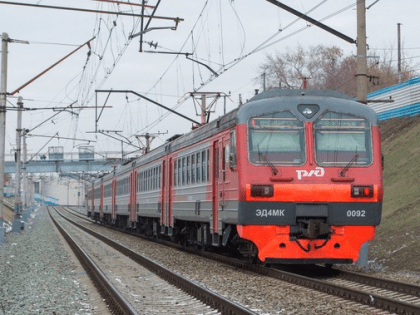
(342, 138)
(277, 137)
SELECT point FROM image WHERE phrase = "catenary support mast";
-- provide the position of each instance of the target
(361, 76)
(3, 91)
(16, 225)
(399, 52)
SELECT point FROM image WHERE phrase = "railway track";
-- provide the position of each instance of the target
(392, 296)
(397, 290)
(116, 302)
(212, 299)
(355, 290)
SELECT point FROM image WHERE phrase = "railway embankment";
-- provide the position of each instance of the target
(397, 243)
(38, 274)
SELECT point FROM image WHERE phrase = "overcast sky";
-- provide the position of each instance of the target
(223, 34)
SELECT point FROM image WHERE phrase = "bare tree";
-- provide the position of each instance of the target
(328, 68)
(287, 70)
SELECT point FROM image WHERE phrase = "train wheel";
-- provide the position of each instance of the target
(251, 254)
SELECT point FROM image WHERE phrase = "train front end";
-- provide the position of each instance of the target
(310, 176)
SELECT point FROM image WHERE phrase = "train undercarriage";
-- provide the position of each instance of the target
(186, 233)
(308, 236)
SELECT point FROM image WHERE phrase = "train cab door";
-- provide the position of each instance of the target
(168, 204)
(224, 175)
(87, 198)
(101, 202)
(93, 200)
(113, 199)
(162, 208)
(133, 197)
(217, 188)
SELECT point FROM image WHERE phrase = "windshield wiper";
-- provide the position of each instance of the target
(271, 165)
(346, 168)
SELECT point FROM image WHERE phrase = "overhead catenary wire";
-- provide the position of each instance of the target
(390, 48)
(86, 97)
(257, 49)
(115, 59)
(86, 94)
(126, 3)
(171, 64)
(180, 102)
(52, 43)
(228, 65)
(162, 116)
(50, 118)
(42, 147)
(88, 10)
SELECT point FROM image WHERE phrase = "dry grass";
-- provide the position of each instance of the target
(397, 243)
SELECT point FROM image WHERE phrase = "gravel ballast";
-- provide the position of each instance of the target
(37, 273)
(263, 295)
(144, 290)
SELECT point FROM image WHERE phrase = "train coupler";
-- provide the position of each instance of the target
(310, 229)
(316, 229)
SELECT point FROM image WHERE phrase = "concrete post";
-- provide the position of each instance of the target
(203, 109)
(16, 225)
(399, 52)
(361, 75)
(24, 174)
(3, 91)
(25, 189)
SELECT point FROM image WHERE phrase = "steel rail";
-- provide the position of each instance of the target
(210, 298)
(358, 296)
(7, 205)
(116, 302)
(402, 287)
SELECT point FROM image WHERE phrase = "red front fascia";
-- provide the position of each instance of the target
(269, 238)
(330, 187)
(345, 241)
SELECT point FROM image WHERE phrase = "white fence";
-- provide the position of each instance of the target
(406, 98)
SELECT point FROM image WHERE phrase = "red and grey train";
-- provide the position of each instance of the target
(292, 176)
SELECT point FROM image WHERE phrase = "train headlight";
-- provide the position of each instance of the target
(262, 191)
(362, 191)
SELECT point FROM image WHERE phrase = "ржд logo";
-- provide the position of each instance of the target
(318, 172)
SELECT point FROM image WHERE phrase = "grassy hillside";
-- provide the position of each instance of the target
(397, 243)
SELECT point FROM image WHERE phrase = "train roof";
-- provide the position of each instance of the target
(295, 93)
(268, 101)
(179, 142)
(275, 100)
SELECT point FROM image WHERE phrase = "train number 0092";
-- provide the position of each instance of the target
(356, 213)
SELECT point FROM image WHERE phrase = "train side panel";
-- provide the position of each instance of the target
(204, 187)
(291, 176)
